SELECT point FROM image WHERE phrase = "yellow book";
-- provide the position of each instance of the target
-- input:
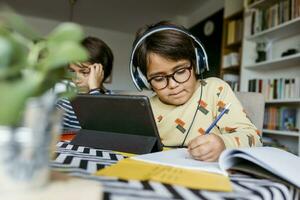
(231, 32)
(130, 169)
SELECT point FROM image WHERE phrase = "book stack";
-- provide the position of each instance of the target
(278, 13)
(283, 118)
(276, 88)
(231, 59)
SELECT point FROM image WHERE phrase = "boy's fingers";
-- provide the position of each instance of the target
(199, 140)
(205, 157)
(92, 70)
(201, 150)
(99, 68)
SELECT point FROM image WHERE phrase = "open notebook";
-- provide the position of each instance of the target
(267, 162)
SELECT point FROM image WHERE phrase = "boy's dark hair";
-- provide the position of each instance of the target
(170, 44)
(99, 52)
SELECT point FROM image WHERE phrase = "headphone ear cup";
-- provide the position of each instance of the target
(140, 79)
(200, 61)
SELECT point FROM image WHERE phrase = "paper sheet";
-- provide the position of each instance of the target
(180, 158)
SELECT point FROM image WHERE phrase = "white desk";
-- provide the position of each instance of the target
(60, 187)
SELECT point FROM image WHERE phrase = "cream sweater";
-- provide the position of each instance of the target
(234, 127)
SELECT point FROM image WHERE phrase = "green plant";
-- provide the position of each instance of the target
(31, 65)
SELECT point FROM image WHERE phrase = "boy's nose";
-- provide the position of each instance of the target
(172, 83)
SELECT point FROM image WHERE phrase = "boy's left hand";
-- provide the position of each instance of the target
(206, 147)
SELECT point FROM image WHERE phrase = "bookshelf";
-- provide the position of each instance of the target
(283, 30)
(285, 133)
(274, 74)
(285, 101)
(231, 49)
(260, 4)
(285, 62)
(284, 138)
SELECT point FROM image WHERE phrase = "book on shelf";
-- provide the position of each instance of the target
(233, 80)
(276, 88)
(278, 13)
(231, 59)
(230, 32)
(281, 118)
(234, 31)
(256, 25)
(281, 166)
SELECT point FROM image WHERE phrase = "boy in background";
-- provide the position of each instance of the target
(88, 77)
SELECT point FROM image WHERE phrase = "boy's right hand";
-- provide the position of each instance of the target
(206, 147)
(96, 76)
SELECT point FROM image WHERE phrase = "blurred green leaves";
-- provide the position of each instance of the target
(31, 65)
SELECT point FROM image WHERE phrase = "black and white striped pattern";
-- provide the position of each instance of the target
(84, 162)
(81, 159)
(70, 120)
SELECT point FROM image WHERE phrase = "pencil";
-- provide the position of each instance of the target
(218, 118)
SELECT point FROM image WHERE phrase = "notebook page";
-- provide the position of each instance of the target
(279, 162)
(179, 158)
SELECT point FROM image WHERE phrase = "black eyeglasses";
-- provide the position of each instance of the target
(180, 76)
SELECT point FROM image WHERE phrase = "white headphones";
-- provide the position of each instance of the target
(138, 78)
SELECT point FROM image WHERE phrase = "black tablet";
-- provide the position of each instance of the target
(116, 122)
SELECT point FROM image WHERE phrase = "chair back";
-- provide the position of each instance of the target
(254, 105)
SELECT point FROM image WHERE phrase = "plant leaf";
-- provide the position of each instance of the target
(66, 32)
(12, 54)
(15, 95)
(62, 54)
(5, 52)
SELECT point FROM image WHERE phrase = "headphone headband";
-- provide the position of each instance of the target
(139, 82)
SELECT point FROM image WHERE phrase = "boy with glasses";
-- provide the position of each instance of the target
(184, 107)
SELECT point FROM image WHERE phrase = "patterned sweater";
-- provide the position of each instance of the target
(235, 128)
(70, 120)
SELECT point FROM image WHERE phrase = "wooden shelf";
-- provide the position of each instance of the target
(284, 62)
(284, 133)
(235, 16)
(237, 67)
(234, 45)
(283, 30)
(282, 101)
(261, 4)
(232, 69)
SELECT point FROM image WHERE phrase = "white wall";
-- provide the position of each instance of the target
(232, 6)
(119, 42)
